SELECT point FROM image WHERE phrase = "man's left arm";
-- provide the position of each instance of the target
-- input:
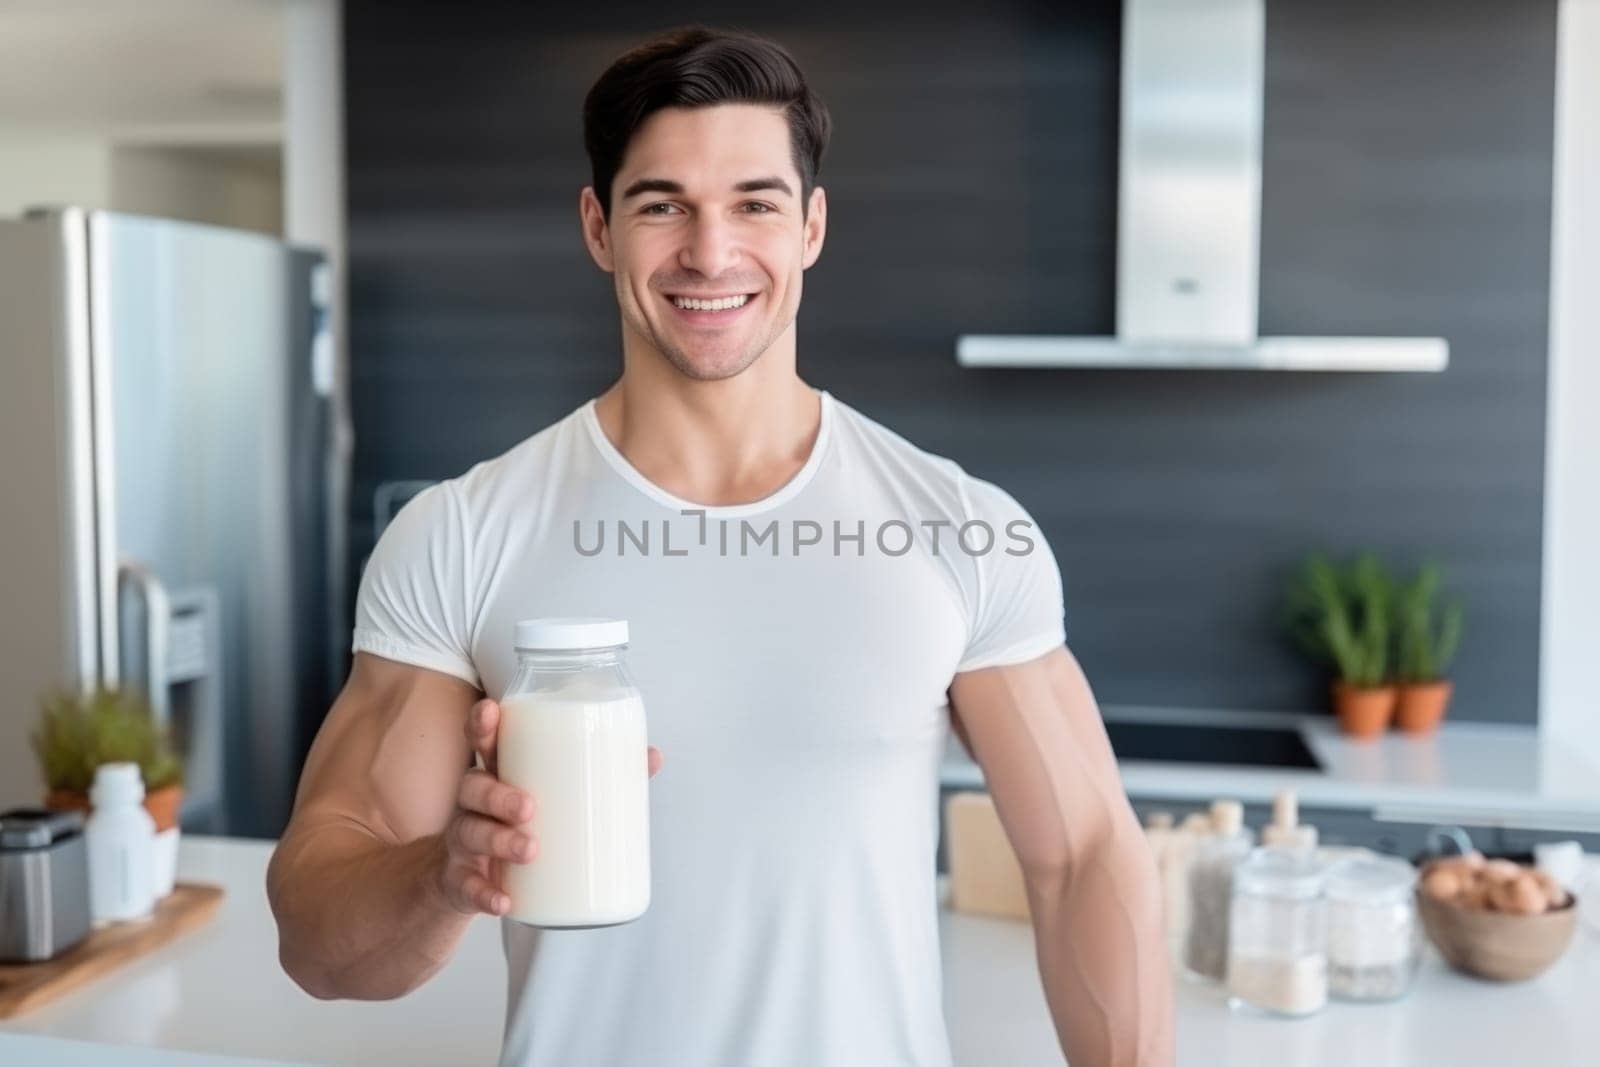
(1092, 885)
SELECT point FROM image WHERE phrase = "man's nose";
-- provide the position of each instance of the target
(711, 247)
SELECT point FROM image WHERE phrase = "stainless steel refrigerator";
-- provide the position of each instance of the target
(166, 463)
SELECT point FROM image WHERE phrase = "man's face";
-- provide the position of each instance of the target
(707, 208)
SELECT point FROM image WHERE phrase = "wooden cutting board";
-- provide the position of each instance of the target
(25, 986)
(985, 877)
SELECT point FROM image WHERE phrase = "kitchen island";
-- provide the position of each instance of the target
(220, 991)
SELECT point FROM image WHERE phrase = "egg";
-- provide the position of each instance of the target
(1474, 895)
(1526, 897)
(1442, 883)
(1502, 870)
(1554, 893)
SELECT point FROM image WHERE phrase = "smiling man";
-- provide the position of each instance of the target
(821, 603)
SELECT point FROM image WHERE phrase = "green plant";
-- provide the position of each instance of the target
(1427, 633)
(1342, 616)
(79, 732)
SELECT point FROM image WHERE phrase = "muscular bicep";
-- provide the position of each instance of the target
(390, 755)
(1036, 731)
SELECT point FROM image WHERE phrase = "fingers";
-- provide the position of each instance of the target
(653, 760)
(482, 728)
(469, 890)
(485, 794)
(472, 837)
(476, 895)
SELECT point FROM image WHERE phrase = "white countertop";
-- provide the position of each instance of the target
(1478, 773)
(64, 1052)
(219, 991)
(1551, 1021)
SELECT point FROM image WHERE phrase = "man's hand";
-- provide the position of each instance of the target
(490, 824)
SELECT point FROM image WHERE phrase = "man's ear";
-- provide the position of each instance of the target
(816, 227)
(596, 233)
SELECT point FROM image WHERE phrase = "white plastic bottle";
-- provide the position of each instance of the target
(572, 734)
(121, 839)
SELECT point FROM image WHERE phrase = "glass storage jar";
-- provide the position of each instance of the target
(1211, 865)
(1278, 933)
(1374, 940)
(572, 734)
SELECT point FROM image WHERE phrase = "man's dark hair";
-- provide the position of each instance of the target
(696, 66)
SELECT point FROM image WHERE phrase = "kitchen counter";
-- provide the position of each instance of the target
(219, 991)
(63, 1052)
(1446, 1019)
(1477, 773)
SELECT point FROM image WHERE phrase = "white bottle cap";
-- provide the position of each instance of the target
(1227, 817)
(1285, 809)
(570, 634)
(1302, 838)
(116, 783)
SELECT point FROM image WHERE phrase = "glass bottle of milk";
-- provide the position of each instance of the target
(572, 734)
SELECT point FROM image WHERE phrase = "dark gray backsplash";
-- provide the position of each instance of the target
(972, 189)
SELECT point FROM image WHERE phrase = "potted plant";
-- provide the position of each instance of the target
(1427, 635)
(1343, 617)
(79, 732)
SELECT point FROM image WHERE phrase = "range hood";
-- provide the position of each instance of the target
(1189, 213)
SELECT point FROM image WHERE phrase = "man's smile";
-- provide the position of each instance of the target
(710, 310)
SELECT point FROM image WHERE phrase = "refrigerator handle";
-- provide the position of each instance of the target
(157, 617)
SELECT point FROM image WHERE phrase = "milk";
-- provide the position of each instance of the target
(580, 752)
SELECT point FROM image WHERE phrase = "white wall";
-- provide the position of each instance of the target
(1569, 699)
(222, 185)
(314, 215)
(39, 167)
(237, 188)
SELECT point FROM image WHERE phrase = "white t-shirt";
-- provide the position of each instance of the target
(795, 677)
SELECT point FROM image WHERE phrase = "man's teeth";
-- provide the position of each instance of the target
(723, 304)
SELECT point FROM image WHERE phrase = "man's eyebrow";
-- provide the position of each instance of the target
(652, 185)
(755, 185)
(672, 188)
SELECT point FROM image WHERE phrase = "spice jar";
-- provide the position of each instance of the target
(1211, 867)
(1374, 941)
(1278, 933)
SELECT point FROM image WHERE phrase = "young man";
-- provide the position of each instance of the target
(811, 599)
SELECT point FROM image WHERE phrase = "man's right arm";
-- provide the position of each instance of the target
(392, 846)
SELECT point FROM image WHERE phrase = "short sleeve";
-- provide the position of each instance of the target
(413, 604)
(1018, 612)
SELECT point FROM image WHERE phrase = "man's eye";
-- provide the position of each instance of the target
(766, 209)
(651, 208)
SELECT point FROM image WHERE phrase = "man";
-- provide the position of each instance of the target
(809, 598)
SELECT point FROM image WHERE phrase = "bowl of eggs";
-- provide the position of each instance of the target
(1495, 918)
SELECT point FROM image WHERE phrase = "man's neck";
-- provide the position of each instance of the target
(719, 443)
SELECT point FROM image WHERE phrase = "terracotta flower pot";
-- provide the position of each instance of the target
(1422, 705)
(162, 804)
(67, 800)
(1364, 711)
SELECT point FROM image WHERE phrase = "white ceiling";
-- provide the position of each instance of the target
(153, 71)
